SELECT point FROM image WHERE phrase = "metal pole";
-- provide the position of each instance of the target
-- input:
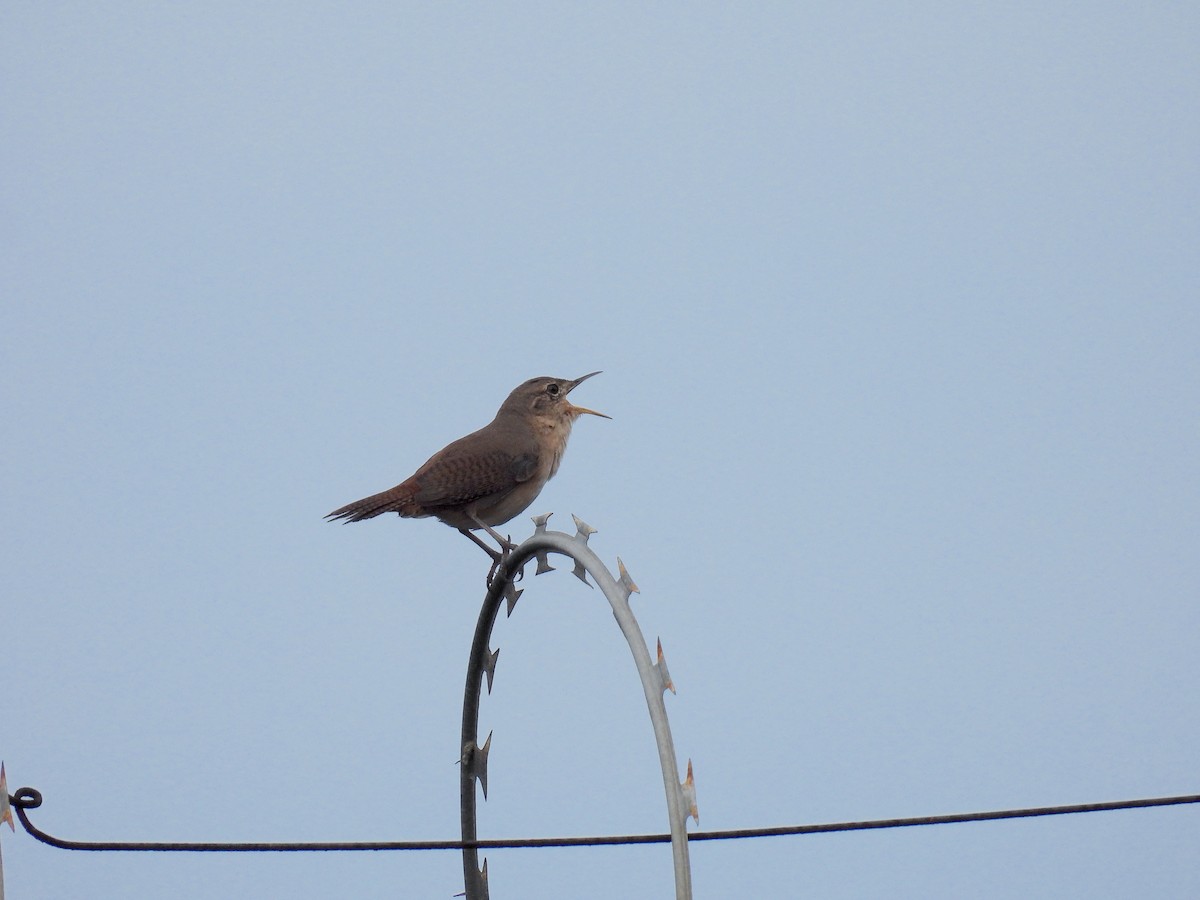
(681, 797)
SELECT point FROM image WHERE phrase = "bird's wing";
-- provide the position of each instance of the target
(458, 479)
(524, 466)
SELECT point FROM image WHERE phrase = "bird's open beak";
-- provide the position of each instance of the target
(580, 410)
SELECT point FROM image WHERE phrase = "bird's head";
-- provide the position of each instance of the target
(546, 398)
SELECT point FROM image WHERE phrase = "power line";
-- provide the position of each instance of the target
(29, 798)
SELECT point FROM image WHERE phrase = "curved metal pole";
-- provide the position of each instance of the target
(681, 798)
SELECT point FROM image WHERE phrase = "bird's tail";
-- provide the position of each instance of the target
(398, 500)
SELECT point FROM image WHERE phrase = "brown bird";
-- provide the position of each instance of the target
(491, 475)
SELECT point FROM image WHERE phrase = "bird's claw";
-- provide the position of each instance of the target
(499, 559)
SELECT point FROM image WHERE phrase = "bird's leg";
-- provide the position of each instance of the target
(506, 545)
(497, 558)
(486, 549)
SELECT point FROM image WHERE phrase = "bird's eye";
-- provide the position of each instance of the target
(552, 389)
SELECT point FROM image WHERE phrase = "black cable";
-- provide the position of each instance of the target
(29, 798)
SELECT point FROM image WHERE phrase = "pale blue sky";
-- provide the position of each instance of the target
(898, 314)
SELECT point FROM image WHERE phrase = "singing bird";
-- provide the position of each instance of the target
(491, 475)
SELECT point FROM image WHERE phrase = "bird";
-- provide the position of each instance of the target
(491, 475)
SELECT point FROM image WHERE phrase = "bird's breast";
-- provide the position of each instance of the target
(551, 440)
(554, 445)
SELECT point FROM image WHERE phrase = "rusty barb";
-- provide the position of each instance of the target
(655, 678)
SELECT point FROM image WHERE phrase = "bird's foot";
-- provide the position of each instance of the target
(500, 559)
(507, 548)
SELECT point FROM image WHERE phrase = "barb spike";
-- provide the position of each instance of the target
(583, 530)
(511, 594)
(660, 667)
(543, 563)
(489, 667)
(479, 761)
(626, 581)
(581, 573)
(540, 522)
(5, 808)
(689, 795)
(484, 880)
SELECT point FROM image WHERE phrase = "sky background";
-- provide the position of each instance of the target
(898, 308)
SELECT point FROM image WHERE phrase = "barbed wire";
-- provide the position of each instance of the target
(29, 798)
